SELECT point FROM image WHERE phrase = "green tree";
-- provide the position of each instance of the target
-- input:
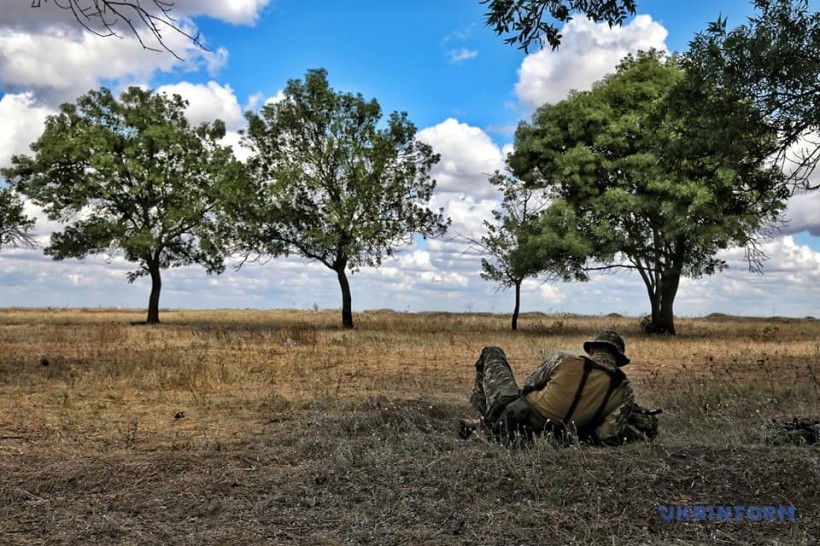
(530, 21)
(131, 177)
(333, 186)
(516, 245)
(634, 170)
(15, 226)
(771, 62)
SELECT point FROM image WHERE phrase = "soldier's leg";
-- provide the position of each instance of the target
(494, 385)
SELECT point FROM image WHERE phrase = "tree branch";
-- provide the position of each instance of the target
(101, 17)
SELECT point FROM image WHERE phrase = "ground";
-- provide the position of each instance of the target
(252, 427)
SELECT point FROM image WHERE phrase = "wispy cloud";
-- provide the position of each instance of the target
(460, 35)
(461, 55)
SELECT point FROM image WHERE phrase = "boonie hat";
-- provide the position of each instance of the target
(611, 340)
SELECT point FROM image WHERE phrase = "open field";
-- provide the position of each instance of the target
(251, 427)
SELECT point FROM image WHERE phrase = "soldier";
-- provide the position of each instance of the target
(585, 397)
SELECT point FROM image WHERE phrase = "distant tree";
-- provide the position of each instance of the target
(15, 226)
(528, 21)
(772, 62)
(333, 186)
(634, 171)
(131, 177)
(512, 253)
(109, 17)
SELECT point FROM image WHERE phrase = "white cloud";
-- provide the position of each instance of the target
(22, 15)
(244, 12)
(803, 213)
(790, 279)
(467, 212)
(278, 97)
(23, 122)
(234, 140)
(207, 102)
(59, 66)
(468, 158)
(461, 55)
(588, 52)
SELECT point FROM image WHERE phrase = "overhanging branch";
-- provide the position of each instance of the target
(101, 17)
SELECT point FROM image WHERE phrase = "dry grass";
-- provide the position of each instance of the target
(250, 427)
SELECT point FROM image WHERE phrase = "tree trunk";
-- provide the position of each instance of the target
(347, 311)
(663, 301)
(517, 306)
(153, 300)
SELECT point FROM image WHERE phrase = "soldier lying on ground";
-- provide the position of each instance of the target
(585, 398)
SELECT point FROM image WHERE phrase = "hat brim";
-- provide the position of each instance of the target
(620, 358)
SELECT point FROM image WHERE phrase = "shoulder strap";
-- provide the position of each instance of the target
(588, 365)
(616, 378)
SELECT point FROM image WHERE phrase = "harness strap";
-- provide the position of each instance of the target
(616, 378)
(588, 364)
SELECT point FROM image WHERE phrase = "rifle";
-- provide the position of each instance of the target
(796, 431)
(646, 411)
(642, 423)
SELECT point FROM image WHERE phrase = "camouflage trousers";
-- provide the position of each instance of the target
(495, 384)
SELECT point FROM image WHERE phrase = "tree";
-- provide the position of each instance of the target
(634, 170)
(108, 17)
(333, 186)
(771, 62)
(512, 253)
(131, 177)
(527, 20)
(14, 224)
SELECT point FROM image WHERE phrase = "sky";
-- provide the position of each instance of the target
(460, 84)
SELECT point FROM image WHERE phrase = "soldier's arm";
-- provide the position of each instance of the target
(615, 424)
(540, 376)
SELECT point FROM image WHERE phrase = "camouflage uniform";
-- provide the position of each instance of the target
(601, 409)
(495, 384)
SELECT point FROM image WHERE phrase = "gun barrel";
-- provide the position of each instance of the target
(655, 411)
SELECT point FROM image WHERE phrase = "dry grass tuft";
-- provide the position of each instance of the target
(251, 427)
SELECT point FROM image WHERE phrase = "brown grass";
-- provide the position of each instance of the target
(251, 427)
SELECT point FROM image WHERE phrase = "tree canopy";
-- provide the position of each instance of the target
(771, 62)
(533, 21)
(333, 185)
(634, 169)
(132, 178)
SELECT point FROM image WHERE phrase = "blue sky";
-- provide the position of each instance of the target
(460, 84)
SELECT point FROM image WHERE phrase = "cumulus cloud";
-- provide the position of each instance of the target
(468, 158)
(23, 122)
(803, 213)
(790, 278)
(207, 102)
(211, 101)
(588, 52)
(49, 13)
(241, 12)
(467, 212)
(59, 66)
